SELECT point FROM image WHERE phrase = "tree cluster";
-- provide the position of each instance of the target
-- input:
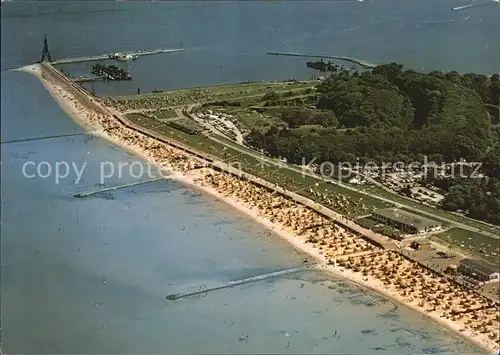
(390, 114)
(478, 198)
(301, 116)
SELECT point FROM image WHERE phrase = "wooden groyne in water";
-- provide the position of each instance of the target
(347, 59)
(177, 296)
(113, 188)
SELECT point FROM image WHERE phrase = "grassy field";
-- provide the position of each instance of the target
(199, 142)
(309, 128)
(472, 243)
(344, 201)
(321, 191)
(444, 224)
(209, 94)
(347, 202)
(367, 222)
(144, 121)
(226, 90)
(165, 114)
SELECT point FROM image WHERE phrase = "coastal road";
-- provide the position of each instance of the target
(197, 104)
(316, 176)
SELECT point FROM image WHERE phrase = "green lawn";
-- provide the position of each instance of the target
(144, 121)
(250, 118)
(445, 225)
(367, 222)
(344, 201)
(165, 114)
(199, 142)
(472, 243)
(250, 94)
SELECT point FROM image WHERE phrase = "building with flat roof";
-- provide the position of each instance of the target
(421, 244)
(479, 270)
(406, 221)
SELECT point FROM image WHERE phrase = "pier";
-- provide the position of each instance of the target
(114, 188)
(347, 59)
(107, 55)
(177, 296)
(47, 137)
(87, 79)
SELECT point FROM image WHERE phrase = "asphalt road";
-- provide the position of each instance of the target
(397, 204)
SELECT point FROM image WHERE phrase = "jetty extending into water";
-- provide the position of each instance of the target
(107, 56)
(114, 188)
(347, 59)
(202, 290)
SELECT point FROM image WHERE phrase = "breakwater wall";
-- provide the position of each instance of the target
(223, 285)
(114, 188)
(347, 59)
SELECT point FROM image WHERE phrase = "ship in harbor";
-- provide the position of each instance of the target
(110, 72)
(122, 56)
(322, 66)
(458, 8)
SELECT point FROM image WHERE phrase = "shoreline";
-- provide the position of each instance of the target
(84, 117)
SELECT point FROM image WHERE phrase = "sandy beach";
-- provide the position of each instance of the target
(336, 250)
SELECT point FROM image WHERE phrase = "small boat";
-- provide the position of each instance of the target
(126, 56)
